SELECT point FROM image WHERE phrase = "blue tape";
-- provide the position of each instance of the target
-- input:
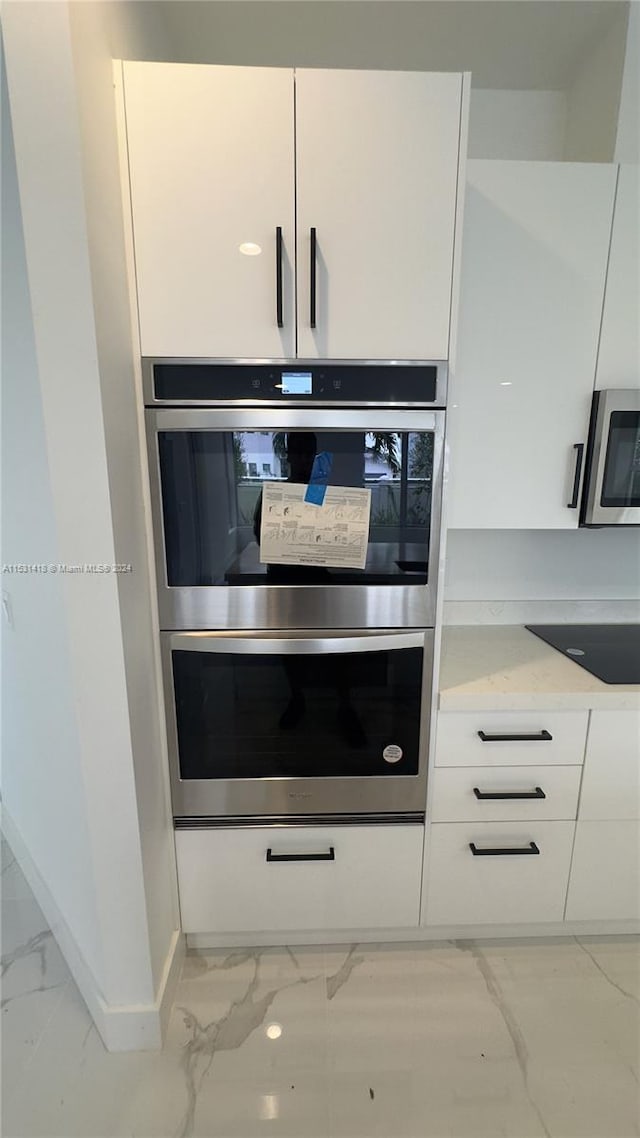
(320, 473)
(314, 494)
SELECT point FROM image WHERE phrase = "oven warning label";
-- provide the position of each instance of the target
(392, 753)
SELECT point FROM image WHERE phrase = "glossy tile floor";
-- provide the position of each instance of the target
(431, 1041)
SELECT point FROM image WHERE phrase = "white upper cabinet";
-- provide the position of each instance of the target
(216, 161)
(211, 162)
(377, 165)
(534, 262)
(619, 355)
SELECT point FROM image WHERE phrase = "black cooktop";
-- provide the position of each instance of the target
(609, 651)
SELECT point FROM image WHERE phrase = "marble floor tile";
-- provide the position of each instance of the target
(13, 885)
(526, 1039)
(33, 977)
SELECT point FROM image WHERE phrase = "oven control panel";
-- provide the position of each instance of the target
(295, 383)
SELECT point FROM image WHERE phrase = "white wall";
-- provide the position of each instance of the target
(107, 872)
(100, 33)
(504, 565)
(517, 125)
(42, 773)
(593, 98)
(628, 136)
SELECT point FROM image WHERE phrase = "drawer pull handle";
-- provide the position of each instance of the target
(329, 856)
(504, 851)
(485, 795)
(540, 737)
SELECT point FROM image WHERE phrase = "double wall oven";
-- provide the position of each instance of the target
(297, 674)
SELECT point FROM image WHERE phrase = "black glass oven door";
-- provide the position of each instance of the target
(212, 487)
(339, 710)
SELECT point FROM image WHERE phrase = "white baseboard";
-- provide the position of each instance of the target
(121, 1027)
(432, 934)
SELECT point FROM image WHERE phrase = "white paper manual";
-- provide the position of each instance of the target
(295, 532)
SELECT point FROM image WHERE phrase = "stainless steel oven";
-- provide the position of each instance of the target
(298, 725)
(297, 682)
(217, 432)
(611, 494)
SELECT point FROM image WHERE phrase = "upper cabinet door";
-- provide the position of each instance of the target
(211, 165)
(534, 261)
(619, 355)
(376, 163)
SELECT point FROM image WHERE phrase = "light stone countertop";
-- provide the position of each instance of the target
(506, 668)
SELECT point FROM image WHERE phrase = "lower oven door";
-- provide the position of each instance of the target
(298, 724)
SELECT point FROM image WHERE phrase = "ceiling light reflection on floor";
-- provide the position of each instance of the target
(274, 1031)
(269, 1107)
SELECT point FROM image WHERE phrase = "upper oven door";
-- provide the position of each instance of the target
(207, 469)
(613, 484)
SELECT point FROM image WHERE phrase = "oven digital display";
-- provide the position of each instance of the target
(297, 383)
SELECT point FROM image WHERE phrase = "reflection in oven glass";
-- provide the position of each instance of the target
(298, 716)
(212, 496)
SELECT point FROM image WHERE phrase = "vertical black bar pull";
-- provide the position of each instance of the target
(279, 277)
(579, 449)
(312, 291)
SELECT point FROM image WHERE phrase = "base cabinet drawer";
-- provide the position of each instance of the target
(510, 738)
(605, 872)
(499, 887)
(313, 878)
(504, 794)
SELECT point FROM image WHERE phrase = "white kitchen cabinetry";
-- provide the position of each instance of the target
(534, 259)
(211, 163)
(534, 757)
(211, 166)
(511, 738)
(619, 354)
(369, 878)
(611, 781)
(377, 166)
(504, 887)
(504, 794)
(605, 871)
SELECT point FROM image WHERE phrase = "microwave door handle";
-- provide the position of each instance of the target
(274, 645)
(579, 449)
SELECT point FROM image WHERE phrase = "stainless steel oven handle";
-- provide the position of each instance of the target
(305, 643)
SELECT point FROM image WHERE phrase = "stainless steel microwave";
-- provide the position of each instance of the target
(611, 492)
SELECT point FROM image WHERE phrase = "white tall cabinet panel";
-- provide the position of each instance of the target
(377, 162)
(605, 871)
(211, 161)
(619, 355)
(534, 259)
(611, 781)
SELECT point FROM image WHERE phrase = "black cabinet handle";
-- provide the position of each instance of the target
(579, 449)
(312, 283)
(279, 319)
(541, 737)
(485, 795)
(330, 856)
(520, 851)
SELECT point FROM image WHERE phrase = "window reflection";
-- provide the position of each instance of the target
(211, 491)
